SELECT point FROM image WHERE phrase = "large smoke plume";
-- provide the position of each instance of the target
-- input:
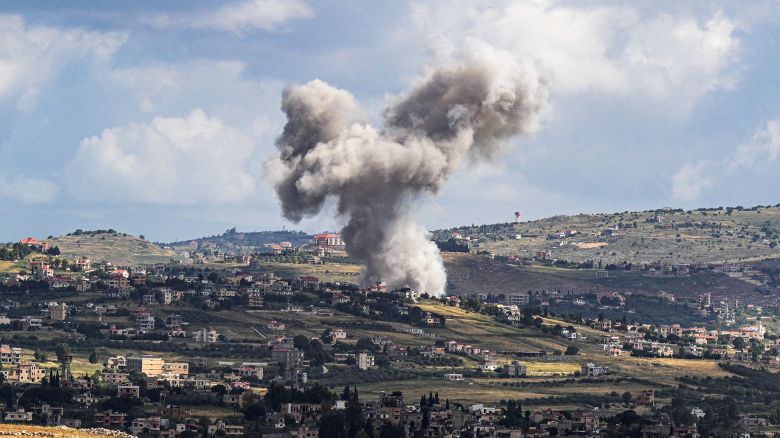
(326, 151)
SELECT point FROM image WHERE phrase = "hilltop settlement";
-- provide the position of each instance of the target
(238, 335)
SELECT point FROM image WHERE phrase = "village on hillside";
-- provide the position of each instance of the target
(218, 344)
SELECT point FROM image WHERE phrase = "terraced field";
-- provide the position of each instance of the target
(552, 377)
(115, 248)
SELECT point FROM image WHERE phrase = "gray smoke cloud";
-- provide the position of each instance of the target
(456, 113)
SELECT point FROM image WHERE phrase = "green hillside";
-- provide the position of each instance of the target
(243, 242)
(673, 236)
(470, 274)
(116, 248)
(549, 376)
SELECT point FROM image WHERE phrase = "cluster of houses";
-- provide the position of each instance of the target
(158, 291)
(673, 340)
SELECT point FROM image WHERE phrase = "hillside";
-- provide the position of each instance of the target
(469, 274)
(116, 248)
(238, 242)
(672, 236)
(548, 376)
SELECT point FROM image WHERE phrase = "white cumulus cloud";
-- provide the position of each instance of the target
(763, 147)
(27, 190)
(171, 160)
(218, 87)
(257, 14)
(691, 180)
(615, 49)
(240, 17)
(29, 55)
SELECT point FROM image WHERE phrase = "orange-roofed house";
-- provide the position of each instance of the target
(119, 279)
(32, 241)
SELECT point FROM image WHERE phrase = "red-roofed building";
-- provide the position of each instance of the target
(339, 298)
(82, 263)
(32, 241)
(40, 269)
(119, 279)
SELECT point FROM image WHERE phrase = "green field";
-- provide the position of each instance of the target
(7, 267)
(332, 272)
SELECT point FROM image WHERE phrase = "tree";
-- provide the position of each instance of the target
(571, 350)
(513, 415)
(255, 410)
(333, 425)
(93, 357)
(354, 413)
(681, 413)
(219, 389)
(62, 350)
(300, 342)
(388, 430)
(315, 353)
(627, 397)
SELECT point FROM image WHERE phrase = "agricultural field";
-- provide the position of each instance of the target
(331, 272)
(116, 248)
(478, 329)
(7, 267)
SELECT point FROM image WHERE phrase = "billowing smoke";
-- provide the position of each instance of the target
(326, 151)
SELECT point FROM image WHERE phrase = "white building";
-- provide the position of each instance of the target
(592, 370)
(10, 355)
(365, 361)
(207, 336)
(339, 333)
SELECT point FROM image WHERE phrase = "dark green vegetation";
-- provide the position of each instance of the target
(237, 242)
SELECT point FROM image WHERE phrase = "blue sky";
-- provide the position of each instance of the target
(156, 118)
